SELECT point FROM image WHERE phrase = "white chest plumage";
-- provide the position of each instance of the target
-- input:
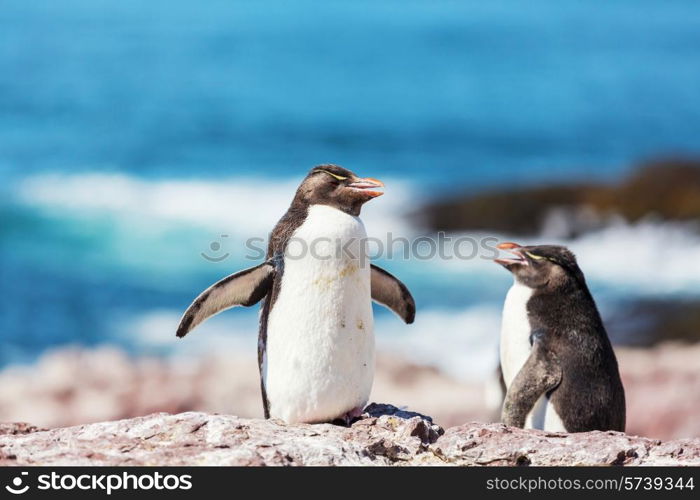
(515, 332)
(515, 349)
(319, 361)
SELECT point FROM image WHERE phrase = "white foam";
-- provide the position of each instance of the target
(245, 206)
(463, 343)
(648, 257)
(228, 332)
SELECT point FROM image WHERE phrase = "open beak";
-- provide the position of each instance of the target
(367, 186)
(513, 248)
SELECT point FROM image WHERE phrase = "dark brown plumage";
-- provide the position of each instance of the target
(572, 360)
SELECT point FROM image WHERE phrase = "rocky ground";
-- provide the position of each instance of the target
(384, 436)
(71, 387)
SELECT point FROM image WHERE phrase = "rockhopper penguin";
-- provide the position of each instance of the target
(558, 364)
(316, 338)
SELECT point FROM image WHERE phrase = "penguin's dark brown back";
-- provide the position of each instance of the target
(590, 395)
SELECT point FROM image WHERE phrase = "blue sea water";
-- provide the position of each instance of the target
(134, 134)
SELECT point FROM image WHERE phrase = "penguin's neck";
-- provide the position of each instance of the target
(325, 221)
(328, 238)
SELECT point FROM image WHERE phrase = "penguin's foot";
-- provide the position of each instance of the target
(349, 418)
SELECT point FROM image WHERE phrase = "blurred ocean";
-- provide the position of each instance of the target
(133, 135)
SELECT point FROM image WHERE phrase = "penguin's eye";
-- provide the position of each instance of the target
(336, 176)
(533, 256)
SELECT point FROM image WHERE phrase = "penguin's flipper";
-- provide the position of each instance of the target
(388, 291)
(540, 374)
(243, 288)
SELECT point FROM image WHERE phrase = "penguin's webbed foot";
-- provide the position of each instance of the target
(349, 418)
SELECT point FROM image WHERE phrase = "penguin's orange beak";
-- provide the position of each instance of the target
(508, 245)
(512, 248)
(366, 185)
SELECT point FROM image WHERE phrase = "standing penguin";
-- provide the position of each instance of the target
(316, 338)
(558, 364)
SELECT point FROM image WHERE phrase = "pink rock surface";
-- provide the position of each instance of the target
(385, 436)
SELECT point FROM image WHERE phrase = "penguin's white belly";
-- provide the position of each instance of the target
(319, 361)
(515, 349)
(543, 416)
(515, 332)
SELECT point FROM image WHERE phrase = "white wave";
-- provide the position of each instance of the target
(230, 332)
(648, 257)
(463, 343)
(245, 206)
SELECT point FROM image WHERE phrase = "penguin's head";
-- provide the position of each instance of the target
(337, 187)
(541, 266)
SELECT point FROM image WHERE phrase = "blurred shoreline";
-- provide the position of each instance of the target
(665, 189)
(76, 386)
